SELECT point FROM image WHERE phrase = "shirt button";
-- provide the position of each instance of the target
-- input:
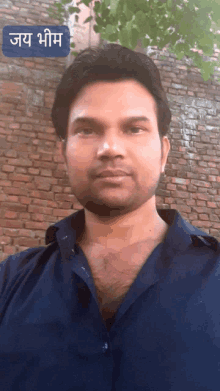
(105, 347)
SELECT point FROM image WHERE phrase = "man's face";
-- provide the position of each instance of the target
(113, 141)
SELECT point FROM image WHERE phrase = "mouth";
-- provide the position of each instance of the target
(113, 179)
(112, 173)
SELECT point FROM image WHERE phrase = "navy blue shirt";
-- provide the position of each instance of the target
(165, 335)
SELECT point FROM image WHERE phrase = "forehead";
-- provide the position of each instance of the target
(106, 97)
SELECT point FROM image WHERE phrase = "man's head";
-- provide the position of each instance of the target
(112, 86)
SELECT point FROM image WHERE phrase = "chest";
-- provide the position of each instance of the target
(113, 273)
(111, 288)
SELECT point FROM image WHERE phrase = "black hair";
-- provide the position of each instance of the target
(112, 62)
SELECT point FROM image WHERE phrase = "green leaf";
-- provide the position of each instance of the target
(123, 37)
(109, 29)
(86, 2)
(105, 13)
(217, 40)
(100, 21)
(97, 6)
(88, 19)
(134, 36)
(66, 1)
(113, 6)
(97, 28)
(76, 18)
(207, 70)
(180, 55)
(72, 10)
(113, 37)
(142, 5)
(128, 13)
(72, 45)
(140, 19)
(75, 53)
(145, 42)
(106, 3)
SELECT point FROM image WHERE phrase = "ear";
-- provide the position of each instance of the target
(62, 152)
(165, 152)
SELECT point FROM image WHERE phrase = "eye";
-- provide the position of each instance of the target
(135, 128)
(88, 131)
(83, 130)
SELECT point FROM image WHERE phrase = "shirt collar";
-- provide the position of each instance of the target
(180, 234)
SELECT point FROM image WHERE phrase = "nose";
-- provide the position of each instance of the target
(111, 146)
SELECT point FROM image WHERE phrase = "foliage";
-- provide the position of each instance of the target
(180, 25)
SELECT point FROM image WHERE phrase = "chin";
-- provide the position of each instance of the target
(111, 209)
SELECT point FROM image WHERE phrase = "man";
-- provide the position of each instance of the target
(124, 296)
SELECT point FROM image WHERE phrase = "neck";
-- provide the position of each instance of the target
(143, 224)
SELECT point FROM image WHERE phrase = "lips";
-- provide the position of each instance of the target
(112, 173)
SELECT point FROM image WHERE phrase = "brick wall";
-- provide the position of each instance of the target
(34, 188)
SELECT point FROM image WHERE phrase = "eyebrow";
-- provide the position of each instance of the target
(94, 121)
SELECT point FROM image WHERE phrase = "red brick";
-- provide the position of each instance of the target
(201, 203)
(10, 88)
(183, 208)
(12, 206)
(12, 198)
(3, 197)
(211, 204)
(65, 205)
(39, 209)
(11, 153)
(26, 232)
(43, 185)
(7, 168)
(62, 212)
(36, 225)
(46, 157)
(25, 216)
(10, 250)
(11, 223)
(46, 172)
(45, 203)
(14, 190)
(29, 64)
(180, 194)
(22, 248)
(37, 217)
(190, 202)
(11, 232)
(5, 183)
(28, 242)
(33, 171)
(12, 139)
(202, 196)
(25, 200)
(215, 233)
(203, 217)
(201, 224)
(14, 126)
(42, 194)
(65, 197)
(5, 240)
(10, 215)
(200, 183)
(58, 159)
(20, 177)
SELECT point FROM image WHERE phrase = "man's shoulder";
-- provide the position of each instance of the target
(15, 264)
